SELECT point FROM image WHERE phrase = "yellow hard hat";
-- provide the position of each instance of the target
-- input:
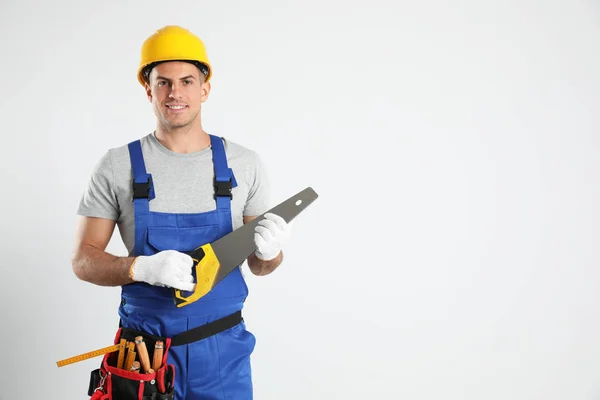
(173, 43)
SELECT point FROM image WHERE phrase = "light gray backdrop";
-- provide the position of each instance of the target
(453, 252)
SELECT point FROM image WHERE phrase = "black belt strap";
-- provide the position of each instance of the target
(207, 330)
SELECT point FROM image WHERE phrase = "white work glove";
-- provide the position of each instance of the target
(168, 268)
(270, 235)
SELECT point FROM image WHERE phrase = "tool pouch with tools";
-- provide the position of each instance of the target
(112, 383)
(109, 382)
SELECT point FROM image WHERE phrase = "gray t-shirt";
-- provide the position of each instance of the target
(183, 183)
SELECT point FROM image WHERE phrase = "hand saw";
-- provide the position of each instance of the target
(214, 261)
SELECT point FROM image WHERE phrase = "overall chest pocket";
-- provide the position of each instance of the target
(184, 239)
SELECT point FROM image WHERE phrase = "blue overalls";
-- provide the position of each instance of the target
(217, 367)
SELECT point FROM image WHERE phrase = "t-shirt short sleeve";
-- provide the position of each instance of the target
(259, 192)
(99, 198)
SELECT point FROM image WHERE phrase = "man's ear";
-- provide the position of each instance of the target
(148, 91)
(205, 91)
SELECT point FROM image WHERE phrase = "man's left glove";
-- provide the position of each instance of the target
(270, 235)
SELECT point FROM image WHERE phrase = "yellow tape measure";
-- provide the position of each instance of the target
(85, 356)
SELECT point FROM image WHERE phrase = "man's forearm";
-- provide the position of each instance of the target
(93, 265)
(260, 267)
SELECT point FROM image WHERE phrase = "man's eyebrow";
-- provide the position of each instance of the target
(167, 79)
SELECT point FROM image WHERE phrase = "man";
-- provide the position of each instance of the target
(170, 192)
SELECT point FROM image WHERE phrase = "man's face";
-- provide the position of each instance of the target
(176, 91)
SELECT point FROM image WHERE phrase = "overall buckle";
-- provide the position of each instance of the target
(141, 190)
(223, 188)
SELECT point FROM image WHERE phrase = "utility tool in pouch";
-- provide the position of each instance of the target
(136, 379)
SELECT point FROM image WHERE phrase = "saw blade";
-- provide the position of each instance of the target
(231, 250)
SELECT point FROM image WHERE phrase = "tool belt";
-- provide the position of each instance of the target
(139, 370)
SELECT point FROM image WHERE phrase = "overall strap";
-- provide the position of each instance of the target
(224, 179)
(143, 189)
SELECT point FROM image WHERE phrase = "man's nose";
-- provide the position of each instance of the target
(175, 91)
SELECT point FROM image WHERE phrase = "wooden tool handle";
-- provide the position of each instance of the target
(158, 355)
(135, 366)
(143, 353)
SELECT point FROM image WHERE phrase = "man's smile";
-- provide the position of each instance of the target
(176, 107)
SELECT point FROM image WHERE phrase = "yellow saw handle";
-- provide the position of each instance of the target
(207, 266)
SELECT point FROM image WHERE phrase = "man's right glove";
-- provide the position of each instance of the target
(168, 268)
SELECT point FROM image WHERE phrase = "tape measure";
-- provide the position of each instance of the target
(85, 356)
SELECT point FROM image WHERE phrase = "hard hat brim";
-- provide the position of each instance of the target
(144, 70)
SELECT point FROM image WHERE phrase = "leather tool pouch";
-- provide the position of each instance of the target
(111, 383)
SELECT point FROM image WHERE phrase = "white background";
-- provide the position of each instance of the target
(453, 251)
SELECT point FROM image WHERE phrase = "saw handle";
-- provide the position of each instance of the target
(206, 265)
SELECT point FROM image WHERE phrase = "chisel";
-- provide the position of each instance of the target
(158, 355)
(142, 352)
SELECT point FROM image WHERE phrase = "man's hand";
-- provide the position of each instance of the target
(271, 235)
(167, 268)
